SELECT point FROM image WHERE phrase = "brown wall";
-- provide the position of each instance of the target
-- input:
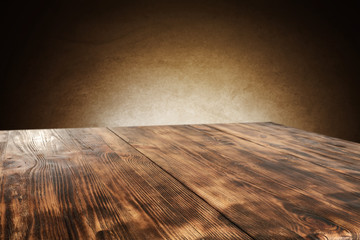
(111, 63)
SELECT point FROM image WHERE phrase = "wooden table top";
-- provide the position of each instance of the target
(219, 181)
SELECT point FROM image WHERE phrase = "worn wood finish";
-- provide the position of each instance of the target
(339, 200)
(88, 183)
(219, 181)
(249, 174)
(328, 152)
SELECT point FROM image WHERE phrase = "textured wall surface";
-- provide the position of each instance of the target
(116, 63)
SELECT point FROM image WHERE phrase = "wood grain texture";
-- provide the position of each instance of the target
(89, 184)
(324, 145)
(336, 154)
(254, 185)
(218, 181)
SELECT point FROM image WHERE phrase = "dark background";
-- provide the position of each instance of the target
(121, 63)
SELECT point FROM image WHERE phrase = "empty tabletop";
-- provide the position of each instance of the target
(215, 181)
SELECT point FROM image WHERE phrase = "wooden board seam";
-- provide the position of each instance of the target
(185, 186)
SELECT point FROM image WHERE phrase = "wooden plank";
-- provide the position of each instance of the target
(332, 188)
(337, 191)
(315, 179)
(265, 135)
(315, 142)
(329, 141)
(89, 184)
(180, 212)
(238, 183)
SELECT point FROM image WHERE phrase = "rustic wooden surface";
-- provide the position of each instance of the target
(219, 181)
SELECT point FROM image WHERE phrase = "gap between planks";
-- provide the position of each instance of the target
(149, 148)
(184, 185)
